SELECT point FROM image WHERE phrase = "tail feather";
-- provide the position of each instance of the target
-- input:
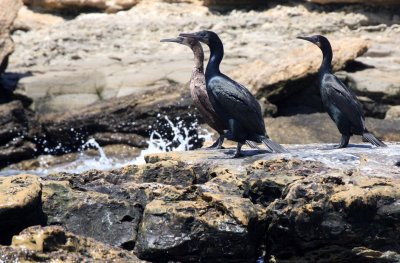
(275, 147)
(253, 145)
(373, 140)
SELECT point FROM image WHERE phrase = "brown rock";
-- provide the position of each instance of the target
(8, 12)
(20, 204)
(53, 243)
(28, 20)
(110, 6)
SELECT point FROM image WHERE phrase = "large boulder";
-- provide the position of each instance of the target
(53, 243)
(20, 205)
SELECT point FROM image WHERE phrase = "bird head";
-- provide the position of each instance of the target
(181, 40)
(318, 40)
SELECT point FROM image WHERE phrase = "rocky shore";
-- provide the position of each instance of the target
(312, 205)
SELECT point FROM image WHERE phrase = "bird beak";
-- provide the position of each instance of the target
(191, 35)
(306, 38)
(176, 40)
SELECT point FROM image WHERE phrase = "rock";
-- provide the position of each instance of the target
(133, 114)
(106, 138)
(195, 231)
(322, 201)
(53, 243)
(337, 211)
(30, 20)
(109, 6)
(319, 128)
(97, 215)
(373, 2)
(393, 113)
(121, 64)
(9, 10)
(20, 205)
(17, 127)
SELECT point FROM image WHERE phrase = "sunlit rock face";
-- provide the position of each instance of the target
(313, 202)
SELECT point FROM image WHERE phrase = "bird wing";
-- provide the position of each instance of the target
(345, 100)
(236, 102)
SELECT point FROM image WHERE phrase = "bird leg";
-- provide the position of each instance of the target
(344, 141)
(237, 153)
(218, 143)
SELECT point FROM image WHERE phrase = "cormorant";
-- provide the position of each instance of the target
(199, 93)
(234, 104)
(340, 102)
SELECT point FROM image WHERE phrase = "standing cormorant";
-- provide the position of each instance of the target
(340, 102)
(199, 93)
(234, 104)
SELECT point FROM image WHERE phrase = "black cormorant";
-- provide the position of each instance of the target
(340, 102)
(199, 93)
(234, 104)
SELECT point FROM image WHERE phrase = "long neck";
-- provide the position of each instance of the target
(216, 55)
(326, 65)
(198, 57)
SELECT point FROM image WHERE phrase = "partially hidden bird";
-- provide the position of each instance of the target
(235, 106)
(199, 93)
(339, 101)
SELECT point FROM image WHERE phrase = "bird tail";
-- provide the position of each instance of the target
(373, 140)
(273, 146)
(253, 145)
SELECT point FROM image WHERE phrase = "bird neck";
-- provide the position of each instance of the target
(198, 58)
(326, 65)
(216, 55)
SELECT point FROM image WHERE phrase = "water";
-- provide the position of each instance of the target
(158, 142)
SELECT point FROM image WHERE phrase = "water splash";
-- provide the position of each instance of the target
(176, 136)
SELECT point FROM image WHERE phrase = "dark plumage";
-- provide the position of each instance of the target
(234, 104)
(340, 102)
(198, 90)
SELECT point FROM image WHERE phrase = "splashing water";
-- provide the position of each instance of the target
(158, 142)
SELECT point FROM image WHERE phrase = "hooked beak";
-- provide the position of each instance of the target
(306, 38)
(176, 40)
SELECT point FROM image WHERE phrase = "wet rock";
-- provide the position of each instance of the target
(334, 213)
(17, 128)
(53, 243)
(196, 231)
(106, 138)
(109, 220)
(137, 115)
(20, 205)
